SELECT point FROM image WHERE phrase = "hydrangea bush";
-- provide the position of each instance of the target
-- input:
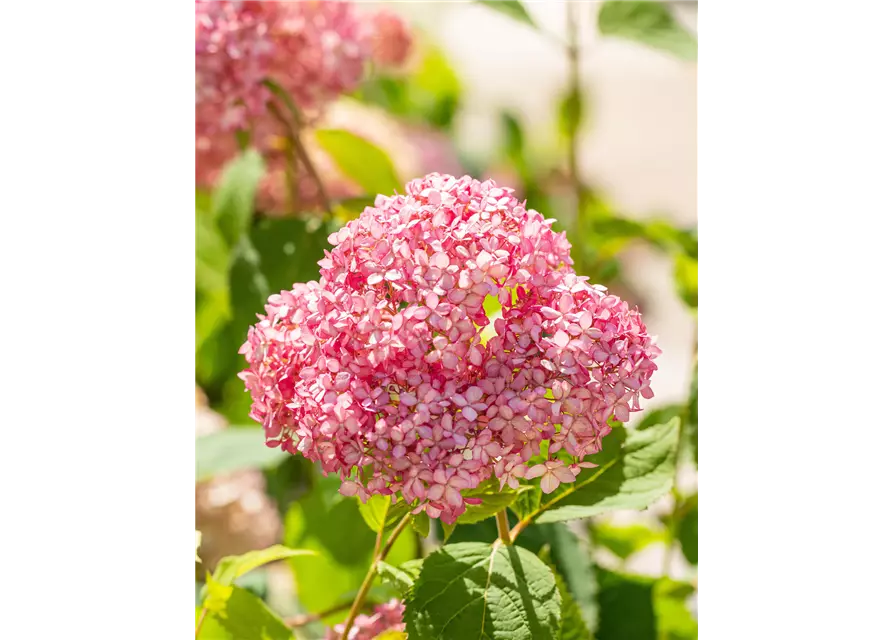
(446, 400)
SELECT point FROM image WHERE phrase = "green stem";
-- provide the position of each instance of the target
(201, 620)
(502, 523)
(380, 553)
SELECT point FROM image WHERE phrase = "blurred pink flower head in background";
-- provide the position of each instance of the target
(385, 617)
(314, 50)
(391, 39)
(380, 371)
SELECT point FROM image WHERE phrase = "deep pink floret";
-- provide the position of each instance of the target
(380, 372)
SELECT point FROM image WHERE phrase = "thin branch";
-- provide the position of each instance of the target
(502, 523)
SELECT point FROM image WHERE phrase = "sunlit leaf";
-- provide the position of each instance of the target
(649, 23)
(360, 160)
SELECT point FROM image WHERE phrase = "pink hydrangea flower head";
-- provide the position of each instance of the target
(381, 372)
(315, 50)
(385, 617)
(391, 39)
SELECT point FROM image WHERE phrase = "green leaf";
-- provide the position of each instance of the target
(233, 449)
(510, 8)
(238, 614)
(649, 23)
(642, 472)
(686, 274)
(331, 525)
(232, 204)
(402, 577)
(421, 524)
(447, 531)
(687, 530)
(375, 511)
(473, 591)
(527, 502)
(691, 423)
(659, 416)
(643, 608)
(492, 501)
(360, 160)
(231, 567)
(290, 250)
(624, 541)
(570, 114)
(572, 625)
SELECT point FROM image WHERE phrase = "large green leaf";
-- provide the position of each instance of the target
(237, 614)
(492, 501)
(231, 567)
(510, 8)
(233, 449)
(572, 562)
(360, 160)
(649, 23)
(232, 204)
(474, 591)
(643, 608)
(642, 472)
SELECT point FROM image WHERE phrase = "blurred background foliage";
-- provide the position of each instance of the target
(397, 125)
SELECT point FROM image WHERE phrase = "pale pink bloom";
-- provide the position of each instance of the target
(380, 366)
(554, 472)
(385, 617)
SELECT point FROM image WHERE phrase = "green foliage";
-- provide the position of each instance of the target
(232, 567)
(360, 160)
(333, 526)
(381, 515)
(624, 541)
(686, 274)
(649, 23)
(570, 113)
(571, 561)
(233, 449)
(234, 613)
(643, 608)
(428, 94)
(289, 250)
(492, 501)
(510, 8)
(642, 472)
(421, 524)
(402, 577)
(687, 531)
(659, 416)
(572, 625)
(232, 204)
(691, 422)
(474, 591)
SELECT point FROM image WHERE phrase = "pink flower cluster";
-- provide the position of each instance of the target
(386, 617)
(380, 372)
(391, 39)
(315, 50)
